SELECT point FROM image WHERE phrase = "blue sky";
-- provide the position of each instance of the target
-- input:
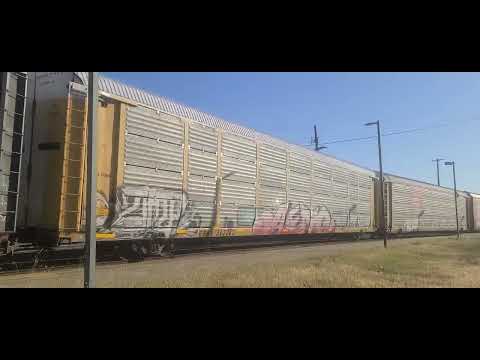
(287, 105)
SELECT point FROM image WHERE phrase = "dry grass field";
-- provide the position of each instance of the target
(422, 262)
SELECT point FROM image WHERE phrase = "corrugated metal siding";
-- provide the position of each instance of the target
(202, 138)
(237, 216)
(337, 191)
(157, 126)
(299, 182)
(201, 188)
(153, 150)
(199, 214)
(299, 179)
(239, 148)
(202, 174)
(142, 97)
(141, 176)
(239, 167)
(147, 208)
(239, 170)
(271, 196)
(238, 204)
(476, 212)
(236, 192)
(423, 208)
(341, 198)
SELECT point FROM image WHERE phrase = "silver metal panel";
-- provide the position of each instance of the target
(299, 197)
(273, 156)
(322, 186)
(423, 208)
(271, 176)
(202, 163)
(299, 181)
(158, 126)
(239, 170)
(299, 163)
(321, 170)
(139, 176)
(337, 204)
(297, 218)
(202, 138)
(198, 214)
(476, 212)
(144, 210)
(239, 148)
(115, 88)
(237, 216)
(271, 196)
(340, 190)
(201, 188)
(146, 152)
(235, 192)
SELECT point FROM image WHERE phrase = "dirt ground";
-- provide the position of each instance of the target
(417, 262)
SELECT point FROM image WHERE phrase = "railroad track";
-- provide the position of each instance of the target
(35, 261)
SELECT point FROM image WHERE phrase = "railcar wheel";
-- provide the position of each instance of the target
(131, 251)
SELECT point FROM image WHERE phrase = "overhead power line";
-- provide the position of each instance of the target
(383, 135)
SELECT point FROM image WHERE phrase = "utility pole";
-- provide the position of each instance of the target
(452, 163)
(315, 139)
(382, 207)
(438, 170)
(91, 226)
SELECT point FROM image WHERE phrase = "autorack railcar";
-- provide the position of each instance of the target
(166, 170)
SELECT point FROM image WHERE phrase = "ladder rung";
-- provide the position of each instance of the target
(8, 192)
(77, 110)
(12, 134)
(72, 177)
(8, 212)
(8, 173)
(76, 127)
(10, 153)
(8, 93)
(72, 160)
(70, 211)
(73, 143)
(9, 113)
(71, 194)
